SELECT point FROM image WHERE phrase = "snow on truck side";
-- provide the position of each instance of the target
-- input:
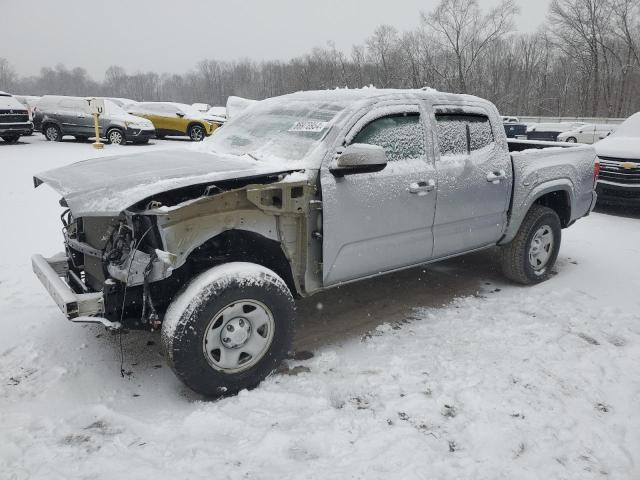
(301, 193)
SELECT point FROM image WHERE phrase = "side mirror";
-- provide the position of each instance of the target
(180, 114)
(359, 158)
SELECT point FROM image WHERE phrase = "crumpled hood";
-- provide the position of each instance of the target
(618, 146)
(107, 186)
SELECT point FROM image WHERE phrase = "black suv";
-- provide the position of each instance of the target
(14, 119)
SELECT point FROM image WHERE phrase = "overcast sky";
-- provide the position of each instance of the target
(173, 35)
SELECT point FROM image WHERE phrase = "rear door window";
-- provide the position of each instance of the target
(462, 134)
(401, 136)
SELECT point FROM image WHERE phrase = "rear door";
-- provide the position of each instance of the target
(474, 180)
(377, 222)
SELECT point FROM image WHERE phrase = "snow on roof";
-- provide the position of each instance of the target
(367, 93)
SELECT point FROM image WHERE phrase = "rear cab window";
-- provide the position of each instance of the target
(462, 133)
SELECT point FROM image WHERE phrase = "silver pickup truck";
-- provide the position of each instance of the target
(295, 195)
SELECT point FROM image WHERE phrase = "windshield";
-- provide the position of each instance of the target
(276, 129)
(630, 127)
(113, 109)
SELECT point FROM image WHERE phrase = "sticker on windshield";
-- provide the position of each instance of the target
(309, 126)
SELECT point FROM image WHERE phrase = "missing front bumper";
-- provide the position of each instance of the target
(77, 307)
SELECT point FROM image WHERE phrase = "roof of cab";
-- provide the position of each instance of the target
(355, 95)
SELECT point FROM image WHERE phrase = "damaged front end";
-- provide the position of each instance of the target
(123, 271)
(106, 260)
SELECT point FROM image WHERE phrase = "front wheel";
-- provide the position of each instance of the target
(52, 133)
(531, 255)
(196, 133)
(229, 329)
(115, 136)
(572, 140)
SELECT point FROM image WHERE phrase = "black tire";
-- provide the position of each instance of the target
(199, 313)
(516, 257)
(115, 136)
(11, 138)
(197, 133)
(52, 132)
(572, 140)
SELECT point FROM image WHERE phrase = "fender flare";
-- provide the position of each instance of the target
(519, 212)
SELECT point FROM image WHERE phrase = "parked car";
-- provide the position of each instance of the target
(14, 119)
(507, 119)
(201, 107)
(515, 129)
(57, 116)
(175, 119)
(550, 131)
(296, 195)
(619, 155)
(589, 134)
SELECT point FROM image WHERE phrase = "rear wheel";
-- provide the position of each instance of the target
(196, 133)
(229, 329)
(11, 138)
(52, 133)
(531, 255)
(115, 136)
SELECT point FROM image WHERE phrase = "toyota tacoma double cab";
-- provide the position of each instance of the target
(298, 194)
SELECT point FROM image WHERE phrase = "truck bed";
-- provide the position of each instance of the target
(542, 167)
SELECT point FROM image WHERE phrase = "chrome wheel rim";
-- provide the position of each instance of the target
(238, 336)
(115, 137)
(541, 249)
(52, 133)
(572, 140)
(197, 134)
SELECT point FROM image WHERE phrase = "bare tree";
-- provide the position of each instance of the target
(466, 33)
(8, 75)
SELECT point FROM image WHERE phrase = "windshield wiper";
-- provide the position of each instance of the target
(254, 157)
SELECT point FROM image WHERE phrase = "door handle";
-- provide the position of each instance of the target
(496, 177)
(422, 187)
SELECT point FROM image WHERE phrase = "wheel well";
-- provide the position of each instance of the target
(559, 202)
(242, 246)
(195, 123)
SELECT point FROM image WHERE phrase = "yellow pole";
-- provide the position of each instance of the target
(96, 124)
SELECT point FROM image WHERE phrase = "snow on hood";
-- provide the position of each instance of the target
(107, 186)
(624, 142)
(619, 147)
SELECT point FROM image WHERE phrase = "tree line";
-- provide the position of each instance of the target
(584, 61)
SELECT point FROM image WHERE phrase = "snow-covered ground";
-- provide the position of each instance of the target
(461, 375)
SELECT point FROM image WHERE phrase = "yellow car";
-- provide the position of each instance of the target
(170, 118)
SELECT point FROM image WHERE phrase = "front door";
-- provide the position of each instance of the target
(474, 181)
(377, 222)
